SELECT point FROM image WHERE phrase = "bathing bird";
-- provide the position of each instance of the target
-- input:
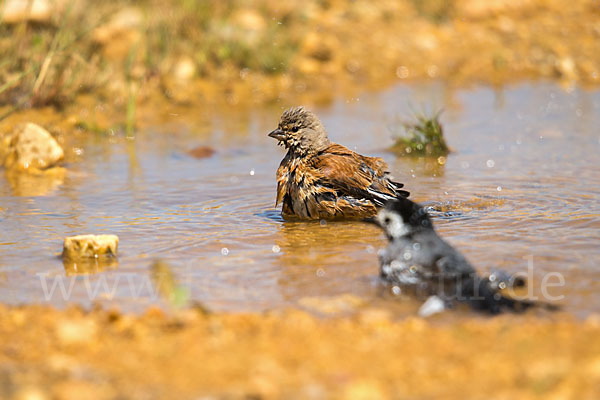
(419, 262)
(319, 179)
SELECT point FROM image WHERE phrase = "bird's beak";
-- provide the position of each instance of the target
(277, 134)
(372, 220)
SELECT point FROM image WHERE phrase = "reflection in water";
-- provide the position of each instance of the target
(88, 266)
(39, 183)
(167, 285)
(421, 166)
(522, 184)
(314, 255)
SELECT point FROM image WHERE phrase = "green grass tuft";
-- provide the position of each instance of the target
(423, 137)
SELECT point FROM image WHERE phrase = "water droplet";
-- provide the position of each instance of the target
(417, 246)
(224, 251)
(407, 255)
(370, 249)
(464, 165)
(251, 172)
(275, 248)
(396, 290)
(323, 222)
(320, 272)
(499, 188)
(490, 163)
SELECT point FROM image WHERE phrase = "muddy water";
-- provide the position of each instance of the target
(520, 192)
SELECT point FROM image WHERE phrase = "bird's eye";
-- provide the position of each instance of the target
(387, 220)
(295, 129)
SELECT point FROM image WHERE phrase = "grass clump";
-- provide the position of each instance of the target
(107, 47)
(423, 137)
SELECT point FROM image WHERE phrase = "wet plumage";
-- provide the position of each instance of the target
(421, 263)
(318, 179)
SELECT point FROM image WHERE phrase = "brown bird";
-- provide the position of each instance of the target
(318, 179)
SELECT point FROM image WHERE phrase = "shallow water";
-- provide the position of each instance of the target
(520, 189)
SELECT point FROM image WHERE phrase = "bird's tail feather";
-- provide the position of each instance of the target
(483, 296)
(398, 185)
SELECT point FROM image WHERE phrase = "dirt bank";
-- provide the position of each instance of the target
(107, 355)
(157, 55)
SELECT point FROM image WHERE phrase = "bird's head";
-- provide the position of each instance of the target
(300, 131)
(402, 217)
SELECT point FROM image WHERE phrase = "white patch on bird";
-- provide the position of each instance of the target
(386, 269)
(379, 194)
(392, 223)
(433, 305)
(397, 266)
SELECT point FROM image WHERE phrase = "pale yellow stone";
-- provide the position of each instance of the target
(16, 11)
(249, 19)
(30, 146)
(71, 332)
(184, 69)
(90, 246)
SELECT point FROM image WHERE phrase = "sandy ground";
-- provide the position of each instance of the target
(72, 354)
(51, 354)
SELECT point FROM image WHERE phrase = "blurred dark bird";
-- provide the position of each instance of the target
(318, 179)
(421, 263)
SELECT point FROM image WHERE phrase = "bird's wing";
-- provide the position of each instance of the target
(283, 173)
(281, 185)
(351, 174)
(454, 264)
